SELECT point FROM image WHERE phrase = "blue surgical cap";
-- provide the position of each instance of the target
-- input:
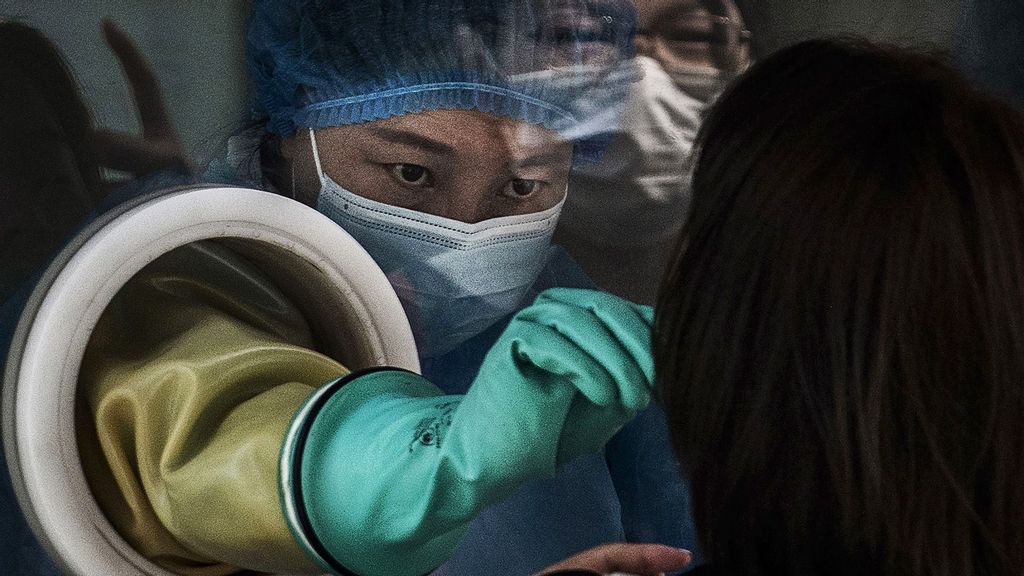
(320, 63)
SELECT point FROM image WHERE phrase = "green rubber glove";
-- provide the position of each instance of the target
(382, 473)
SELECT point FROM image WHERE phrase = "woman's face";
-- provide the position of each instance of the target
(459, 164)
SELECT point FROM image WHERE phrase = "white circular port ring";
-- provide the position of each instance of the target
(51, 336)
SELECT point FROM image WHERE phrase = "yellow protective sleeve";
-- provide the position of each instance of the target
(186, 390)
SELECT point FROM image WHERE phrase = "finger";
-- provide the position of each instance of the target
(643, 559)
(586, 299)
(646, 313)
(597, 299)
(617, 331)
(620, 353)
(626, 383)
(558, 355)
(629, 323)
(145, 87)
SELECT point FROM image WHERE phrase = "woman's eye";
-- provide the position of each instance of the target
(521, 188)
(412, 174)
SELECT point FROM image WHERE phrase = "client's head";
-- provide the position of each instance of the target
(840, 338)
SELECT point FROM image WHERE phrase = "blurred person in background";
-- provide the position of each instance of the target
(624, 210)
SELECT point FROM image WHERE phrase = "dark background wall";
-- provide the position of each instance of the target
(922, 23)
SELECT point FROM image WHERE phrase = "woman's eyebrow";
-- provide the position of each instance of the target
(396, 136)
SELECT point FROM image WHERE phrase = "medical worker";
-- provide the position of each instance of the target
(440, 135)
(624, 212)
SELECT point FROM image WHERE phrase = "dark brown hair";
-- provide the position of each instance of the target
(840, 338)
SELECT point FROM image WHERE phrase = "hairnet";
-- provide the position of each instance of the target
(319, 63)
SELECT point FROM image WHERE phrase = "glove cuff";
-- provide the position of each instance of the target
(292, 452)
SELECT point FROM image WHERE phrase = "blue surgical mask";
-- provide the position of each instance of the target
(454, 279)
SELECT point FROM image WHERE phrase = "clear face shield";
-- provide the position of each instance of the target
(576, 54)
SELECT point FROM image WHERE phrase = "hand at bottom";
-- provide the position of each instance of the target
(638, 559)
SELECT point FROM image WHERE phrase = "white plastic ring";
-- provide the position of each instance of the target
(325, 271)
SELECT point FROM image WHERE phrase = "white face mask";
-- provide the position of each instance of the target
(454, 279)
(642, 182)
